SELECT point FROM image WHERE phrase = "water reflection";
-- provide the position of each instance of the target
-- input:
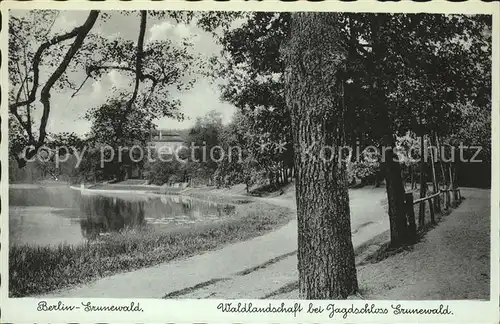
(97, 214)
(106, 214)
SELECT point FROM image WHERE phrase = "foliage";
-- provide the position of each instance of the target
(255, 86)
(41, 61)
(366, 169)
(404, 73)
(238, 164)
(203, 141)
(425, 64)
(161, 172)
(476, 131)
(200, 160)
(108, 129)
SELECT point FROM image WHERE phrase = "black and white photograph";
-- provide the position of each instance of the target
(277, 156)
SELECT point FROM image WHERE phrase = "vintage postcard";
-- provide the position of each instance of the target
(250, 162)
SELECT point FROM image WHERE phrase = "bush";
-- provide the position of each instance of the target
(160, 172)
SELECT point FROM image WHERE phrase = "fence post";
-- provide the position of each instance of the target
(431, 208)
(410, 216)
(438, 203)
(455, 192)
(421, 215)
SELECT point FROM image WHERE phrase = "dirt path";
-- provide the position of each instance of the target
(452, 261)
(251, 269)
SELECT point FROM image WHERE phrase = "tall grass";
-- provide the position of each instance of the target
(36, 270)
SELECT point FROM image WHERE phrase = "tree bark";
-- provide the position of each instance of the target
(440, 156)
(45, 92)
(325, 251)
(423, 183)
(395, 196)
(138, 73)
(435, 185)
(390, 164)
(412, 176)
(434, 179)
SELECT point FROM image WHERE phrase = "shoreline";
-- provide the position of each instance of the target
(70, 265)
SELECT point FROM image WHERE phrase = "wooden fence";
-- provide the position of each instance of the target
(440, 201)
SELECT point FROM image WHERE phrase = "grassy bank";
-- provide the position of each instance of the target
(37, 270)
(218, 197)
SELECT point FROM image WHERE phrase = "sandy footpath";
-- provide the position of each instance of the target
(451, 262)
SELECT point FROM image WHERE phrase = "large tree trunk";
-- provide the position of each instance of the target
(395, 196)
(325, 252)
(394, 183)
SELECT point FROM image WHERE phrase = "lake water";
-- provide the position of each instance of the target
(58, 214)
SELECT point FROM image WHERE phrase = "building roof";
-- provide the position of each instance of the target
(165, 136)
(164, 132)
(168, 139)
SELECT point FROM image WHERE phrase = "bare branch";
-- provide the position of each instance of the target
(38, 57)
(142, 76)
(138, 62)
(45, 93)
(138, 70)
(81, 86)
(23, 81)
(51, 25)
(26, 125)
(90, 69)
(151, 91)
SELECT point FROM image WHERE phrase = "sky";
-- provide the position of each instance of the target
(66, 112)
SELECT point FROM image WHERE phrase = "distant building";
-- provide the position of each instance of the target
(164, 141)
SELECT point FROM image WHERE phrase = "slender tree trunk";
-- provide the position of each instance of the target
(325, 251)
(378, 180)
(423, 183)
(434, 179)
(412, 177)
(435, 185)
(440, 156)
(450, 169)
(403, 176)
